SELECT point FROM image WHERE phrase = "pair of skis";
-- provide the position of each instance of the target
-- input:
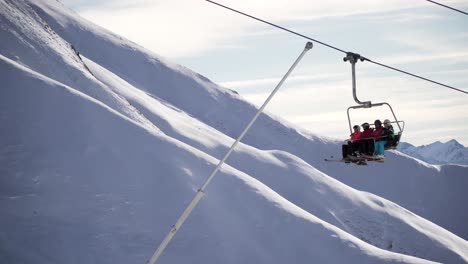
(358, 160)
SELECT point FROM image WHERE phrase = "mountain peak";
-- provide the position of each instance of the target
(437, 152)
(455, 143)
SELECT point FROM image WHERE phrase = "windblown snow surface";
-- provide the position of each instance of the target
(101, 151)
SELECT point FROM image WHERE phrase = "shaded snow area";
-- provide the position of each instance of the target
(104, 143)
(450, 152)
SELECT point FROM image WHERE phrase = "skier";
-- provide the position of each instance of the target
(348, 149)
(366, 145)
(385, 136)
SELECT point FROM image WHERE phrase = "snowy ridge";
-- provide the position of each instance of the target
(450, 152)
(121, 205)
(30, 41)
(228, 113)
(113, 172)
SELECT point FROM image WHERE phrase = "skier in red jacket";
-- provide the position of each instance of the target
(367, 133)
(367, 147)
(378, 130)
(348, 149)
(366, 144)
(356, 133)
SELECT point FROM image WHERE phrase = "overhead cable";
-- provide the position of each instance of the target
(277, 26)
(449, 7)
(335, 48)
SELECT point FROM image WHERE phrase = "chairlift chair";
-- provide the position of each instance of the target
(391, 144)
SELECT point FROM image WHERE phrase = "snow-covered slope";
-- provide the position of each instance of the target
(98, 165)
(450, 152)
(411, 186)
(71, 196)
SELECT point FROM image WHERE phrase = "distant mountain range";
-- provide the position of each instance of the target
(451, 152)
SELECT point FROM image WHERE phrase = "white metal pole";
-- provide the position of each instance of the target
(201, 191)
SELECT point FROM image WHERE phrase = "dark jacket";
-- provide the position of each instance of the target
(387, 133)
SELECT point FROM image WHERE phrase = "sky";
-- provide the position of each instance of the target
(250, 57)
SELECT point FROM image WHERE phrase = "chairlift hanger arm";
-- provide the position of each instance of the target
(353, 58)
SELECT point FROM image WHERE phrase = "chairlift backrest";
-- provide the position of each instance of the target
(397, 124)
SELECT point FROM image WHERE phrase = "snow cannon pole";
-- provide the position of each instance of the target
(201, 191)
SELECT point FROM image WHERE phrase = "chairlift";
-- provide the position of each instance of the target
(353, 59)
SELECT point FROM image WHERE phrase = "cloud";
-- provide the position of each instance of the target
(187, 28)
(181, 28)
(274, 81)
(452, 57)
